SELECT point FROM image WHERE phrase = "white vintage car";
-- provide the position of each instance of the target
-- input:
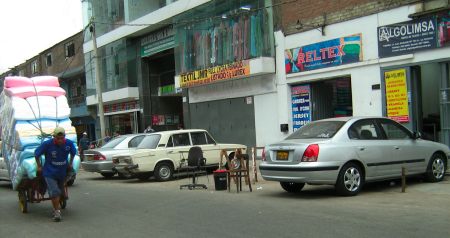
(162, 153)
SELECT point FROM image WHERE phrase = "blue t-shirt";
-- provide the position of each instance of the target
(56, 163)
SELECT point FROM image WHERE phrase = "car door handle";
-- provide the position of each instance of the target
(170, 152)
(396, 147)
(362, 148)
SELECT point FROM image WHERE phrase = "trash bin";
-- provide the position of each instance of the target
(220, 179)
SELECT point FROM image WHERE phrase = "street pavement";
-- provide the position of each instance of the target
(101, 207)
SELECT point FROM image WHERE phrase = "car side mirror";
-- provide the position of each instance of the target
(417, 135)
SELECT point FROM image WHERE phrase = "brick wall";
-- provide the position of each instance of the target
(313, 13)
(60, 63)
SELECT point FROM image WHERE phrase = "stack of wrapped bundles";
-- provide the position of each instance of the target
(30, 109)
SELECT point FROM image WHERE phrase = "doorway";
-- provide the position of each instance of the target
(428, 105)
(320, 100)
(163, 104)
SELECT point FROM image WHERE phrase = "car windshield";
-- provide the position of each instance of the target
(149, 142)
(114, 142)
(320, 129)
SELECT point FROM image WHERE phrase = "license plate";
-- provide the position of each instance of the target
(89, 157)
(282, 155)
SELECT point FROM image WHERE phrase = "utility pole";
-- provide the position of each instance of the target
(97, 81)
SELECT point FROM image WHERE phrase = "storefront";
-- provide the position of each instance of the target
(161, 101)
(415, 93)
(320, 100)
(321, 97)
(122, 118)
(226, 69)
(401, 72)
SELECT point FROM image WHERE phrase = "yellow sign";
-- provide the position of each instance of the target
(397, 95)
(214, 74)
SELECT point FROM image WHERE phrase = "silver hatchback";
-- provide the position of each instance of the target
(100, 160)
(347, 152)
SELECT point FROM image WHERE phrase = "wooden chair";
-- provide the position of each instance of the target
(238, 168)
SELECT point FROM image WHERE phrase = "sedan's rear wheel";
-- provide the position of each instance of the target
(292, 187)
(163, 171)
(436, 168)
(350, 180)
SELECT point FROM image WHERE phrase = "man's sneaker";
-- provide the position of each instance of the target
(57, 215)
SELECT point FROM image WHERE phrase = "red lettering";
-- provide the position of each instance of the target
(315, 56)
(341, 50)
(323, 51)
(309, 56)
(301, 58)
(331, 53)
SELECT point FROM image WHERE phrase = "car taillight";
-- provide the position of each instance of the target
(311, 153)
(263, 155)
(99, 157)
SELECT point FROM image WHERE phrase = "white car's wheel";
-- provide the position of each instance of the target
(350, 180)
(436, 168)
(163, 171)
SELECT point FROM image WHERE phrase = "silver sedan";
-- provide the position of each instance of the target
(100, 160)
(347, 152)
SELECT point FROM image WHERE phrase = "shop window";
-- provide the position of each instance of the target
(69, 49)
(240, 34)
(48, 59)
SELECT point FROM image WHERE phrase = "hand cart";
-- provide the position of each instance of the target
(33, 191)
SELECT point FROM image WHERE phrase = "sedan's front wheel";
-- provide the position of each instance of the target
(350, 180)
(292, 187)
(436, 168)
(163, 171)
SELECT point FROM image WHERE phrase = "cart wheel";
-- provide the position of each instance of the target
(62, 202)
(23, 205)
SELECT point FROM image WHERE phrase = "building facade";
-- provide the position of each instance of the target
(64, 60)
(137, 63)
(252, 71)
(147, 57)
(375, 58)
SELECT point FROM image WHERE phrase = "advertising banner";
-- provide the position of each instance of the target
(301, 106)
(397, 95)
(407, 37)
(336, 52)
(215, 74)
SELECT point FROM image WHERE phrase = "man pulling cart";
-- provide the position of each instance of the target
(55, 168)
